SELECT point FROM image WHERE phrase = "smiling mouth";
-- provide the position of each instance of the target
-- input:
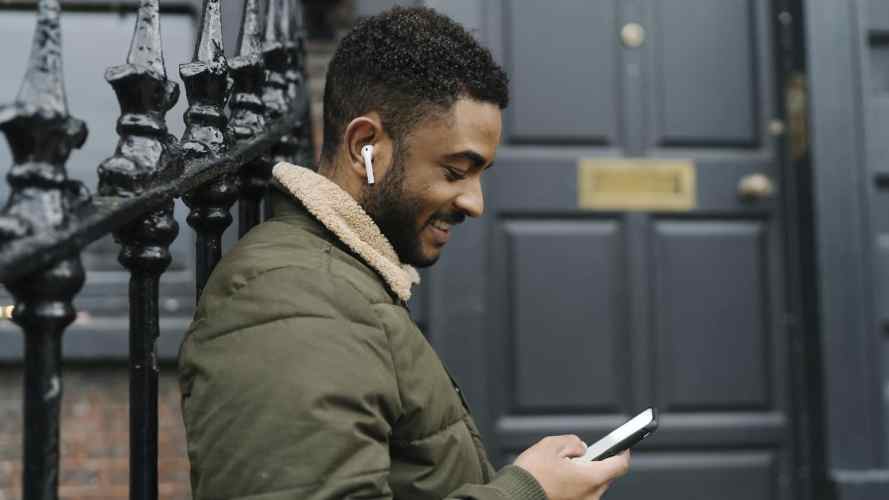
(441, 225)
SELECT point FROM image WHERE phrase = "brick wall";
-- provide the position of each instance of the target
(94, 429)
(95, 409)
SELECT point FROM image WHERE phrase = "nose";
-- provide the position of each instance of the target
(471, 201)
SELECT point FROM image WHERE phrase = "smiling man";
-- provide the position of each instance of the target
(302, 374)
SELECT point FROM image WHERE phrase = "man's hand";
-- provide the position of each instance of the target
(564, 479)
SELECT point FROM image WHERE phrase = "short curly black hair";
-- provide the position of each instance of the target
(405, 64)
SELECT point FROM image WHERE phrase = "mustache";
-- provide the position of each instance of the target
(456, 218)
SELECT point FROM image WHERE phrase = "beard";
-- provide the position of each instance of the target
(396, 213)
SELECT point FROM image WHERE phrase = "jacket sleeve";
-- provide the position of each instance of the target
(298, 404)
(511, 482)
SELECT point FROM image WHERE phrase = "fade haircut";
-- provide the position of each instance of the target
(406, 64)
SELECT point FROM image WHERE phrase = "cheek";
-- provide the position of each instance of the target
(426, 199)
(430, 195)
(437, 195)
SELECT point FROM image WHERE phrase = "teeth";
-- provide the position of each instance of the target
(444, 226)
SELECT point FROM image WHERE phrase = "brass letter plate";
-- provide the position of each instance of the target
(636, 184)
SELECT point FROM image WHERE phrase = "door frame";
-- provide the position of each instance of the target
(843, 357)
(800, 270)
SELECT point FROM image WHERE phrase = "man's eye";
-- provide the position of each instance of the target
(453, 174)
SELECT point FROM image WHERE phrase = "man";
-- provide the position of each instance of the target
(302, 374)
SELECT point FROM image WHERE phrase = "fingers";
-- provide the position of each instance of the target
(568, 445)
(616, 466)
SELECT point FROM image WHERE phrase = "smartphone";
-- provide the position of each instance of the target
(634, 430)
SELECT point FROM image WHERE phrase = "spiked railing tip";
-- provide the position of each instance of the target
(250, 39)
(146, 48)
(277, 28)
(297, 23)
(43, 85)
(209, 45)
(271, 14)
(284, 21)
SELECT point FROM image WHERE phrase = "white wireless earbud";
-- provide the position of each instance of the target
(368, 153)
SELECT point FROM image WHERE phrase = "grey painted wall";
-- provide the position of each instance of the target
(470, 13)
(849, 130)
(371, 7)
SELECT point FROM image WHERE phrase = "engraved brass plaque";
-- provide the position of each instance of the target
(636, 184)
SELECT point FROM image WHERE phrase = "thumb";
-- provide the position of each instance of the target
(573, 448)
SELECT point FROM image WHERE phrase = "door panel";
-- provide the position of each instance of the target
(676, 431)
(706, 73)
(544, 299)
(544, 108)
(735, 475)
(710, 322)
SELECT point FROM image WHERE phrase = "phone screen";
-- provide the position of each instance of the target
(629, 433)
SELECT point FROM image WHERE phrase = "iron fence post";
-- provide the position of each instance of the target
(304, 149)
(41, 135)
(247, 113)
(145, 153)
(206, 85)
(275, 55)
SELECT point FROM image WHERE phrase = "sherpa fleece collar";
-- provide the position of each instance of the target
(345, 218)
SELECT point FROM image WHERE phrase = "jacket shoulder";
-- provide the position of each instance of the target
(282, 268)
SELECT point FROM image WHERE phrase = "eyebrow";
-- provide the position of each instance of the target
(475, 159)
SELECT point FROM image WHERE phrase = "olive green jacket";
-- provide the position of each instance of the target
(304, 377)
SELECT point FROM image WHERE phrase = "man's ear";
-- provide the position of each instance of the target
(362, 131)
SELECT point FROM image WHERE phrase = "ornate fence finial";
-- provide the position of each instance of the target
(284, 23)
(284, 79)
(206, 84)
(44, 84)
(206, 81)
(295, 53)
(247, 113)
(303, 150)
(41, 136)
(146, 49)
(248, 72)
(250, 38)
(145, 95)
(276, 58)
(209, 45)
(298, 32)
(277, 22)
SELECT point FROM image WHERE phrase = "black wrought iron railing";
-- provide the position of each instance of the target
(244, 115)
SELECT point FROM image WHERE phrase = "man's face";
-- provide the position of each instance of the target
(434, 181)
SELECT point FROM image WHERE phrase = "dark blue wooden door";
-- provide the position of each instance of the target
(562, 319)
